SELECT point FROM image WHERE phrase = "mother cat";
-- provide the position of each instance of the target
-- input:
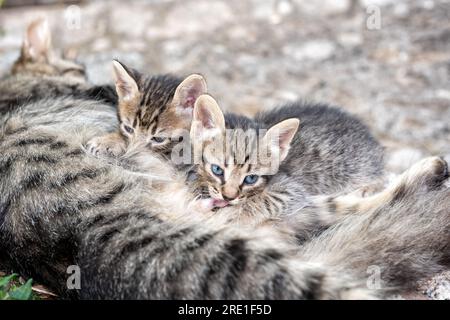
(60, 207)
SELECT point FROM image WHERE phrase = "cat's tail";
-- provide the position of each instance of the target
(396, 237)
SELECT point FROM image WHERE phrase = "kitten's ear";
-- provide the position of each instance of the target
(38, 41)
(188, 91)
(208, 120)
(279, 137)
(126, 86)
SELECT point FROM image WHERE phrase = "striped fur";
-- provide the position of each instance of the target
(153, 111)
(200, 258)
(332, 153)
(40, 73)
(149, 246)
(54, 196)
(403, 230)
(57, 202)
(132, 226)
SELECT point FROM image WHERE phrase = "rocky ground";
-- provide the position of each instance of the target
(386, 61)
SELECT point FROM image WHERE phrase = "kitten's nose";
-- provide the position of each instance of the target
(228, 198)
(229, 193)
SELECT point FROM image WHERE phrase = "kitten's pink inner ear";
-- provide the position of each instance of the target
(37, 42)
(125, 85)
(190, 101)
(282, 134)
(189, 90)
(208, 119)
(285, 138)
(208, 112)
(205, 117)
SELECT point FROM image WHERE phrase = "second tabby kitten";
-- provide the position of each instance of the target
(151, 111)
(331, 152)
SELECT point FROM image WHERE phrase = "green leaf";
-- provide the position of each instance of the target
(23, 292)
(4, 281)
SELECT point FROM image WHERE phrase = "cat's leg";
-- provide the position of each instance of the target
(428, 174)
(112, 144)
(401, 234)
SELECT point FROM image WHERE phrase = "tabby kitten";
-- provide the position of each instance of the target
(257, 174)
(152, 111)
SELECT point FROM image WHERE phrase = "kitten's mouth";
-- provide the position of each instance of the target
(219, 203)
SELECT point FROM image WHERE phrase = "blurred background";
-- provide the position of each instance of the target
(387, 61)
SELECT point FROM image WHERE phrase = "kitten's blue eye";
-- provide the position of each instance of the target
(251, 179)
(218, 171)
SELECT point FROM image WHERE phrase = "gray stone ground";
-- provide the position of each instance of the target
(393, 72)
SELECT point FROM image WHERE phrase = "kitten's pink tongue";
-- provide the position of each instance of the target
(220, 203)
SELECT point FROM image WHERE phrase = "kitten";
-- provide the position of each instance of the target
(257, 175)
(153, 111)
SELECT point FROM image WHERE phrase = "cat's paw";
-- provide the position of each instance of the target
(99, 146)
(430, 173)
